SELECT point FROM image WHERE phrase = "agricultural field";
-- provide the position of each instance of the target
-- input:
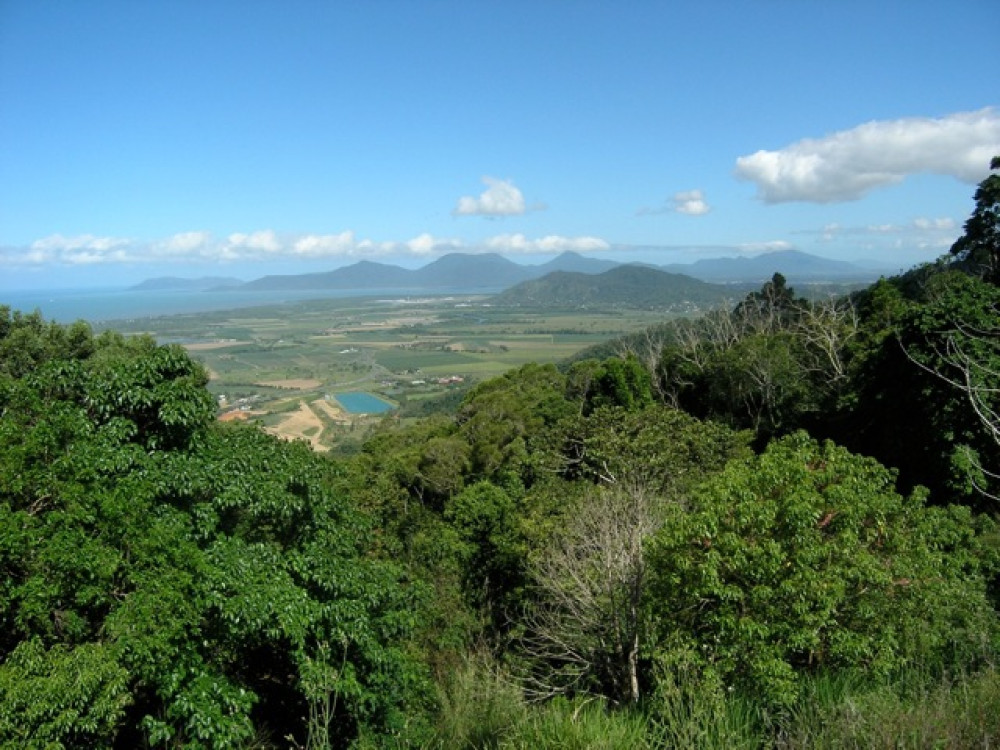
(283, 366)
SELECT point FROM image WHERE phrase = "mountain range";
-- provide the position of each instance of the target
(794, 265)
(487, 272)
(493, 273)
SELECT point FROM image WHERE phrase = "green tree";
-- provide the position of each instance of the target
(485, 518)
(806, 559)
(978, 249)
(501, 416)
(925, 388)
(621, 382)
(170, 581)
(767, 308)
(660, 448)
(584, 628)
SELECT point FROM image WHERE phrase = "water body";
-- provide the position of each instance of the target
(111, 304)
(357, 402)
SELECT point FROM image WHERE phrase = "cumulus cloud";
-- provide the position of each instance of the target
(688, 202)
(84, 249)
(324, 245)
(427, 244)
(846, 165)
(268, 245)
(501, 198)
(264, 241)
(184, 245)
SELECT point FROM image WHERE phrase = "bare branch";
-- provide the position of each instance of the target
(588, 624)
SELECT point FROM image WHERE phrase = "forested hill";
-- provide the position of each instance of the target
(629, 286)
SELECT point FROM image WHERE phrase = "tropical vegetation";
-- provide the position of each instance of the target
(773, 525)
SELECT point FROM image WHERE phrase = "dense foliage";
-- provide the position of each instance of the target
(771, 525)
(170, 582)
(805, 558)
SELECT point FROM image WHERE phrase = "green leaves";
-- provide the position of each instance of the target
(806, 558)
(61, 696)
(183, 569)
(979, 247)
(160, 390)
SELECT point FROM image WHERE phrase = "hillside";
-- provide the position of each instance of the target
(364, 274)
(631, 286)
(470, 272)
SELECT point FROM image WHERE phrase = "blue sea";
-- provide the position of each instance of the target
(111, 304)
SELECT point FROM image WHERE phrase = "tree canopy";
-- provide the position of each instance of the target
(721, 511)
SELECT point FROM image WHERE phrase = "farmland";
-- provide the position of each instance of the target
(282, 365)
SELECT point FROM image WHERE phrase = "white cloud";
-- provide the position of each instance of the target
(554, 243)
(324, 245)
(426, 244)
(690, 202)
(519, 243)
(83, 242)
(915, 241)
(268, 245)
(265, 241)
(501, 198)
(94, 257)
(184, 244)
(847, 164)
(943, 225)
(84, 249)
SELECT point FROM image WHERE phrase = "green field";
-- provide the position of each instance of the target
(260, 358)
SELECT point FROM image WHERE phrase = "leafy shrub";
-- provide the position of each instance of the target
(805, 559)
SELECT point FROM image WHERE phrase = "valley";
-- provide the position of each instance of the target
(284, 365)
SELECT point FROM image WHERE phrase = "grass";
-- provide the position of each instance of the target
(482, 709)
(951, 712)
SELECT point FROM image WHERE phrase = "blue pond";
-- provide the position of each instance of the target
(363, 403)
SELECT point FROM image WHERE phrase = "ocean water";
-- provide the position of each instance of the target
(105, 305)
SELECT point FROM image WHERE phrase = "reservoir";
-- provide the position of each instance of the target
(357, 402)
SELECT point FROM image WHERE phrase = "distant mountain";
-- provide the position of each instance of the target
(490, 272)
(472, 272)
(794, 265)
(174, 283)
(629, 286)
(364, 274)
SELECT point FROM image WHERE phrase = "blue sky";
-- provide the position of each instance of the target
(243, 138)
